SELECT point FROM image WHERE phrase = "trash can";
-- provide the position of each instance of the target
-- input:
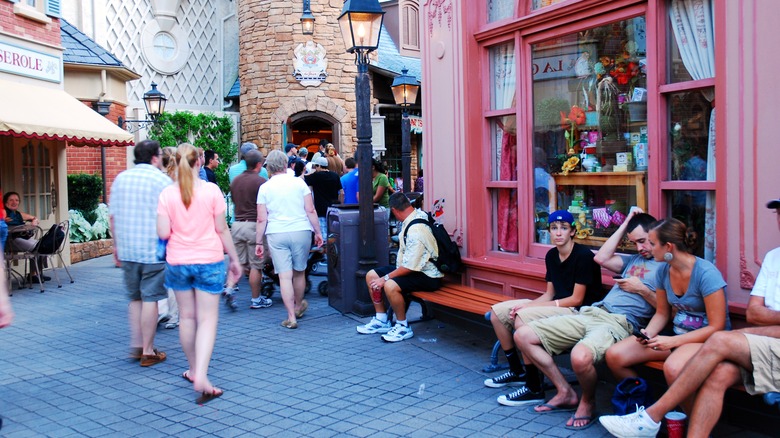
(343, 245)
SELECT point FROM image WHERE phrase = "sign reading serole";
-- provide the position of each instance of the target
(25, 62)
(416, 124)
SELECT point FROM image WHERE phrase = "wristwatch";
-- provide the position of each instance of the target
(386, 277)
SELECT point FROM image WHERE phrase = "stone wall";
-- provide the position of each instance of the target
(80, 252)
(269, 32)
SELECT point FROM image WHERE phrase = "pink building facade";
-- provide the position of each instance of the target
(595, 106)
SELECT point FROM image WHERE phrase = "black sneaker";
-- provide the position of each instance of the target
(521, 397)
(509, 378)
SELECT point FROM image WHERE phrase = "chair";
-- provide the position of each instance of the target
(14, 254)
(50, 245)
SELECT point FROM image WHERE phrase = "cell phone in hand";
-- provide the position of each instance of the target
(617, 277)
(640, 335)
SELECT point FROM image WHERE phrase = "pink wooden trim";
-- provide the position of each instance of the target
(722, 129)
(686, 86)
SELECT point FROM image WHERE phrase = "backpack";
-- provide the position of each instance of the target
(449, 261)
(52, 240)
(630, 393)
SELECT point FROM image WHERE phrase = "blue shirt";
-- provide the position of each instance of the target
(240, 167)
(350, 184)
(133, 207)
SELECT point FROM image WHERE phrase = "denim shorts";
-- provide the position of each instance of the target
(209, 277)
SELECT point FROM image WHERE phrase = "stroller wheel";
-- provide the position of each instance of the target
(308, 287)
(323, 288)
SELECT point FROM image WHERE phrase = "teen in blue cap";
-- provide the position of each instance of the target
(573, 280)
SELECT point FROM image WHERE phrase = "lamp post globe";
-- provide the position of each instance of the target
(361, 23)
(405, 88)
(307, 19)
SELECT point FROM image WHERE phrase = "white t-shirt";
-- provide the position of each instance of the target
(283, 197)
(768, 284)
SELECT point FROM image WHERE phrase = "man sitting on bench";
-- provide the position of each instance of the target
(748, 356)
(628, 306)
(573, 279)
(414, 271)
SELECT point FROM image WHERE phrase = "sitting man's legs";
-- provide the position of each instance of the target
(718, 364)
(503, 326)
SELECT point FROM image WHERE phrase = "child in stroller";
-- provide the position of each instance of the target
(270, 279)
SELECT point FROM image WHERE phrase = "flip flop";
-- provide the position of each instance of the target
(591, 421)
(551, 409)
(186, 376)
(207, 396)
(304, 307)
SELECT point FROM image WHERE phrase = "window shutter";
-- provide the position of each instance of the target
(13, 1)
(53, 8)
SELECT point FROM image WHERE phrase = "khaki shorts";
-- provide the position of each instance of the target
(502, 309)
(594, 327)
(243, 234)
(765, 357)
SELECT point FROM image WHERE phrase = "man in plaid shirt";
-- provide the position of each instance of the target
(133, 210)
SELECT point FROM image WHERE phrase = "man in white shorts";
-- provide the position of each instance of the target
(727, 358)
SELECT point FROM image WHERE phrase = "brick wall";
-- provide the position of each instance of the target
(86, 159)
(26, 28)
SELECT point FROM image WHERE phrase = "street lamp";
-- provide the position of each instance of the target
(154, 101)
(361, 22)
(307, 19)
(405, 88)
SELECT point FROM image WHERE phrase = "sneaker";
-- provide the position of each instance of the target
(163, 318)
(375, 326)
(230, 302)
(171, 325)
(637, 424)
(260, 303)
(521, 397)
(509, 378)
(398, 333)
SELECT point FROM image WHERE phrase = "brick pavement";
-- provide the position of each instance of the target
(64, 372)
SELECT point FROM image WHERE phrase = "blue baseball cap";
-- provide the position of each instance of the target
(561, 216)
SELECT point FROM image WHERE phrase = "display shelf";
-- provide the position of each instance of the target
(635, 179)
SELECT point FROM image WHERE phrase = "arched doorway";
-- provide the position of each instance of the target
(307, 128)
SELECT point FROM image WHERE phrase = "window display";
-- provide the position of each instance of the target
(590, 126)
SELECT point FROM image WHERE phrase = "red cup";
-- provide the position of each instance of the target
(675, 424)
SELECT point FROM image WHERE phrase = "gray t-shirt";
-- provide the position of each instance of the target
(691, 312)
(635, 308)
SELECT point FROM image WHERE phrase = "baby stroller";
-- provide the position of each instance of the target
(271, 279)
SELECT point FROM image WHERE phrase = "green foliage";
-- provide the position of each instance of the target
(84, 192)
(547, 113)
(84, 230)
(204, 130)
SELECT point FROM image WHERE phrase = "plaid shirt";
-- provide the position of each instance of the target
(133, 208)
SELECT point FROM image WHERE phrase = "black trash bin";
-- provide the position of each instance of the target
(343, 244)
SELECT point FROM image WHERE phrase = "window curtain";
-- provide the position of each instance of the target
(692, 24)
(505, 86)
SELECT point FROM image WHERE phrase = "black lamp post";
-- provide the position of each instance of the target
(307, 19)
(154, 101)
(361, 22)
(405, 88)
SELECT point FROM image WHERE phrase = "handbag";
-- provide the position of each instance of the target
(630, 393)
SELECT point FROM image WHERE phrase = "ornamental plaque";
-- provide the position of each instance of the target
(310, 64)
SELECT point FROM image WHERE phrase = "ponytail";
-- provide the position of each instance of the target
(186, 160)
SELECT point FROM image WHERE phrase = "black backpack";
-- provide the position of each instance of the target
(51, 241)
(449, 261)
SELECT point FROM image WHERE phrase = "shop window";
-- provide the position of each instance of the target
(538, 4)
(590, 127)
(411, 28)
(34, 10)
(502, 120)
(689, 184)
(500, 9)
(37, 180)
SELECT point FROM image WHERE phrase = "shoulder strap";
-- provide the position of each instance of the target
(414, 221)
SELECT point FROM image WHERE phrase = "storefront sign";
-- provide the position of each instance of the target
(554, 67)
(30, 63)
(311, 64)
(416, 123)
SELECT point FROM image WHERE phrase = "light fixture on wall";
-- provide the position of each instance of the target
(307, 19)
(405, 88)
(361, 22)
(154, 101)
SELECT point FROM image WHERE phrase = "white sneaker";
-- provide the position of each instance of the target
(398, 333)
(634, 425)
(375, 326)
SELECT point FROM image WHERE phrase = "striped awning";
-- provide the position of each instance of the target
(31, 111)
